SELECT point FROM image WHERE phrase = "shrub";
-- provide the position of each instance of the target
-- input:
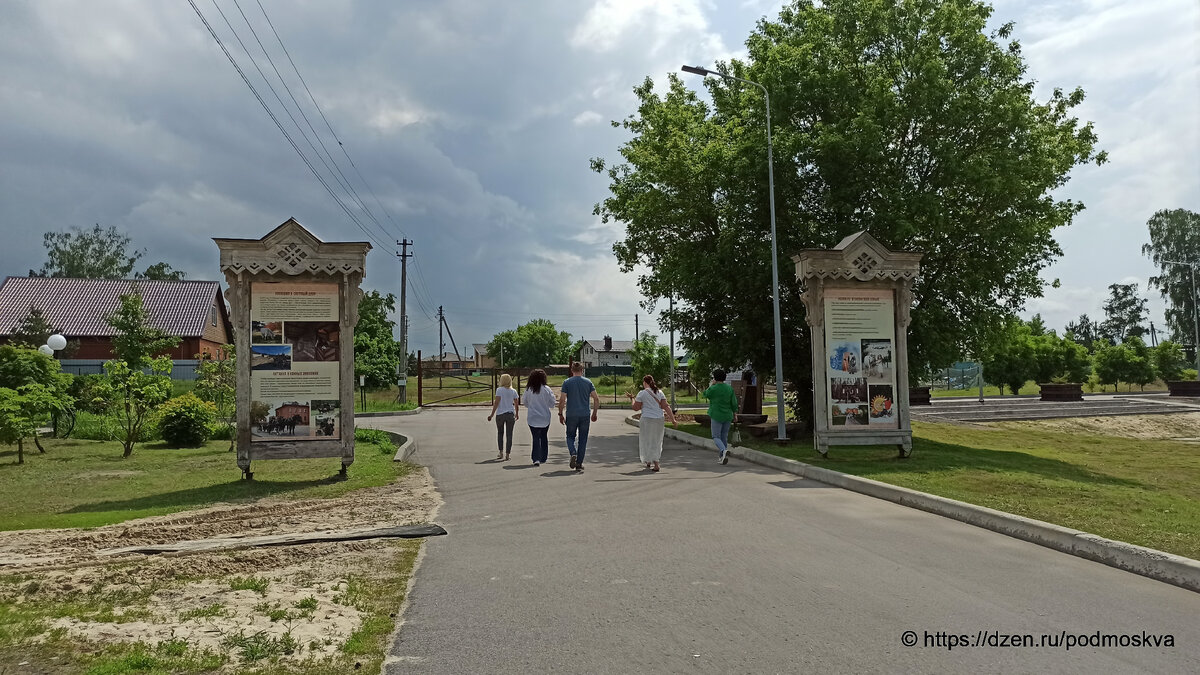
(1188, 374)
(92, 393)
(222, 431)
(186, 421)
(93, 427)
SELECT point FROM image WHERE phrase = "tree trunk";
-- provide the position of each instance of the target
(20, 451)
(38, 443)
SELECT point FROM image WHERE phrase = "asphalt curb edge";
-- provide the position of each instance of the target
(406, 445)
(1160, 565)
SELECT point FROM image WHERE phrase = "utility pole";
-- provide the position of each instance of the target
(441, 345)
(636, 333)
(402, 376)
(671, 311)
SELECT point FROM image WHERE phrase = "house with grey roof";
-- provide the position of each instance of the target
(193, 311)
(605, 352)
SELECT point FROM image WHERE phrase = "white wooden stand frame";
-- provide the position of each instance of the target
(857, 262)
(290, 253)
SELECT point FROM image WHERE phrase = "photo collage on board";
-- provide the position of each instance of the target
(847, 384)
(861, 383)
(289, 346)
(878, 367)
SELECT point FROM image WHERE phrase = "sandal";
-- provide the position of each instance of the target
(654, 468)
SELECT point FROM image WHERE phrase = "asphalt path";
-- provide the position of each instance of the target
(737, 569)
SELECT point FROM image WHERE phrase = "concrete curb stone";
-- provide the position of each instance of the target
(407, 446)
(389, 413)
(1167, 567)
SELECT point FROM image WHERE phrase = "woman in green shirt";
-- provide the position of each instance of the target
(722, 403)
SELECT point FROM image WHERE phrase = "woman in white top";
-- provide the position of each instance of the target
(539, 401)
(508, 404)
(653, 404)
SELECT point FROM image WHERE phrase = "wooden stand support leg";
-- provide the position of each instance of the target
(343, 473)
(247, 474)
(905, 450)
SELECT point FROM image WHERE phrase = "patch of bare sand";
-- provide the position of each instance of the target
(1150, 427)
(190, 597)
(409, 501)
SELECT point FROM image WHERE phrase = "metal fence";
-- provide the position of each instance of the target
(184, 369)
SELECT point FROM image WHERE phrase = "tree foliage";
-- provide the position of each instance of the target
(137, 340)
(33, 330)
(1022, 353)
(1175, 237)
(376, 351)
(161, 271)
(532, 345)
(138, 393)
(909, 119)
(216, 382)
(649, 358)
(1124, 313)
(32, 390)
(1083, 331)
(1169, 361)
(137, 346)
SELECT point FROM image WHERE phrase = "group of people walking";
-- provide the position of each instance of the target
(578, 406)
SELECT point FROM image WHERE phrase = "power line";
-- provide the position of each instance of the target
(275, 119)
(329, 126)
(344, 181)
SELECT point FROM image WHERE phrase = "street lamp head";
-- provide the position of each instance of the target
(697, 70)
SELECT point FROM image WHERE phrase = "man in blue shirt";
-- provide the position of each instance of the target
(575, 393)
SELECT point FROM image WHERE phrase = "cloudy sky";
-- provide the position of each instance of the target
(472, 123)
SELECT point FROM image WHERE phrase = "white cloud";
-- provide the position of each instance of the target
(587, 117)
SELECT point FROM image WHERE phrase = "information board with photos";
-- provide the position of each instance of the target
(294, 361)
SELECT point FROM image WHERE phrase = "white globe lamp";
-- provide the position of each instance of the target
(45, 349)
(56, 342)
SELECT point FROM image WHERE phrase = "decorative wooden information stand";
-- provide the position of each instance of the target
(294, 304)
(858, 297)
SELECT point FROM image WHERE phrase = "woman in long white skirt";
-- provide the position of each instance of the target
(655, 411)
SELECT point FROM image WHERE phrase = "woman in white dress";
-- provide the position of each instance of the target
(508, 404)
(653, 404)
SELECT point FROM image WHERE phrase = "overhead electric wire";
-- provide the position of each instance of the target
(293, 119)
(343, 181)
(275, 119)
(329, 126)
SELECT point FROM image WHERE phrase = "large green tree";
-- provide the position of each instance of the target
(376, 351)
(1175, 238)
(1125, 313)
(910, 119)
(531, 345)
(97, 253)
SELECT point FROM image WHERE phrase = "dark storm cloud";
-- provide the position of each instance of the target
(472, 121)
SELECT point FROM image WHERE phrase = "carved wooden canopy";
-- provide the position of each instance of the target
(292, 250)
(858, 257)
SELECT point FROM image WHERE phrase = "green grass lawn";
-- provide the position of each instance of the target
(1144, 492)
(81, 483)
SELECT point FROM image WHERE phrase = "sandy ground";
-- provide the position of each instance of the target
(63, 564)
(1157, 427)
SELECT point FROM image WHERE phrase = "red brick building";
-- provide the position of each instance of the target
(289, 410)
(193, 311)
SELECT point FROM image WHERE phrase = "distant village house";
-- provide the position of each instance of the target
(193, 311)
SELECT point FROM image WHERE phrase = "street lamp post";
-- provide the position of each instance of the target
(1195, 310)
(774, 245)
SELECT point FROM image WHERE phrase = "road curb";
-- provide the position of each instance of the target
(406, 445)
(1148, 562)
(389, 413)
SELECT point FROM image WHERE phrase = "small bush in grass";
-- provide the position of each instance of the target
(373, 436)
(91, 427)
(221, 431)
(186, 421)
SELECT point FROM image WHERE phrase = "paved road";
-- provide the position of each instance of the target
(734, 569)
